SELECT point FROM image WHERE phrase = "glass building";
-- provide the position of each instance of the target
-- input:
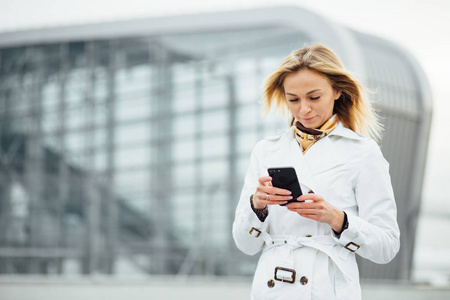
(124, 145)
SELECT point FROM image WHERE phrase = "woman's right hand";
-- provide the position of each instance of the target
(266, 194)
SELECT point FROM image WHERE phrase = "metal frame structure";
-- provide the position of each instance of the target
(124, 145)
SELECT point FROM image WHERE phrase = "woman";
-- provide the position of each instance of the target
(347, 207)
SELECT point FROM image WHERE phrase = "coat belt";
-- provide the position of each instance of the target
(323, 243)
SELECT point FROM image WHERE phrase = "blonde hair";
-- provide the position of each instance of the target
(353, 108)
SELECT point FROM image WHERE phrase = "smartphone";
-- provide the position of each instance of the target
(286, 178)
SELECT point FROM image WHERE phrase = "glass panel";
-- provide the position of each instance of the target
(215, 121)
(185, 150)
(214, 93)
(52, 142)
(185, 217)
(184, 73)
(132, 107)
(185, 126)
(243, 165)
(249, 116)
(134, 133)
(246, 140)
(138, 203)
(50, 96)
(184, 175)
(51, 122)
(218, 218)
(75, 141)
(20, 124)
(130, 182)
(215, 146)
(248, 83)
(133, 80)
(214, 173)
(100, 138)
(18, 100)
(76, 88)
(100, 161)
(76, 118)
(132, 157)
(101, 84)
(101, 114)
(184, 98)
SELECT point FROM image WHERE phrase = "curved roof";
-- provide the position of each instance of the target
(345, 42)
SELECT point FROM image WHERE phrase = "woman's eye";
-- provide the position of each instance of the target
(293, 100)
(315, 98)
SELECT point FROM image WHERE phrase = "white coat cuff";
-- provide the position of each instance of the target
(353, 237)
(252, 219)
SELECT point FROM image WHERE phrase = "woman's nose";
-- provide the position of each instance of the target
(304, 109)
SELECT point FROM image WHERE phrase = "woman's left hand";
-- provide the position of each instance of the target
(315, 207)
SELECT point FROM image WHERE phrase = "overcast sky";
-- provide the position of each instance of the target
(421, 26)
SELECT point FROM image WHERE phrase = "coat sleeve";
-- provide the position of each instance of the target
(248, 230)
(373, 233)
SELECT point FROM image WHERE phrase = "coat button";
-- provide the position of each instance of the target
(270, 283)
(304, 280)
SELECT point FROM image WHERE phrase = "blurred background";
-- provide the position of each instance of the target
(126, 129)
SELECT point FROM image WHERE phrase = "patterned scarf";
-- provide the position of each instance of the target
(306, 137)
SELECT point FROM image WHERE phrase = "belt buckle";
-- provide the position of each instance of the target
(283, 279)
(351, 244)
(258, 232)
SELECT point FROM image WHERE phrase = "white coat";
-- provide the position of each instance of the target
(349, 171)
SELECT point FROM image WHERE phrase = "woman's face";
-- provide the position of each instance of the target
(310, 97)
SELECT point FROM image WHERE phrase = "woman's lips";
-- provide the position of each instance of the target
(307, 119)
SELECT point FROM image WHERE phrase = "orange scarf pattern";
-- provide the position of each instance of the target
(306, 137)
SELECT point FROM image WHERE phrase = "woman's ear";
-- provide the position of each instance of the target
(337, 95)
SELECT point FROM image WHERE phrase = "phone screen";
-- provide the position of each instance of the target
(286, 178)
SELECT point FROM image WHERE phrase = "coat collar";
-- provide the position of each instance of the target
(288, 135)
(343, 131)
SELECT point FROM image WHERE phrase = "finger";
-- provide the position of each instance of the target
(273, 190)
(262, 196)
(306, 213)
(313, 197)
(280, 191)
(271, 197)
(274, 202)
(296, 205)
(267, 199)
(264, 180)
(304, 205)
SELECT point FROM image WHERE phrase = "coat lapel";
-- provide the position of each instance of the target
(298, 161)
(323, 155)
